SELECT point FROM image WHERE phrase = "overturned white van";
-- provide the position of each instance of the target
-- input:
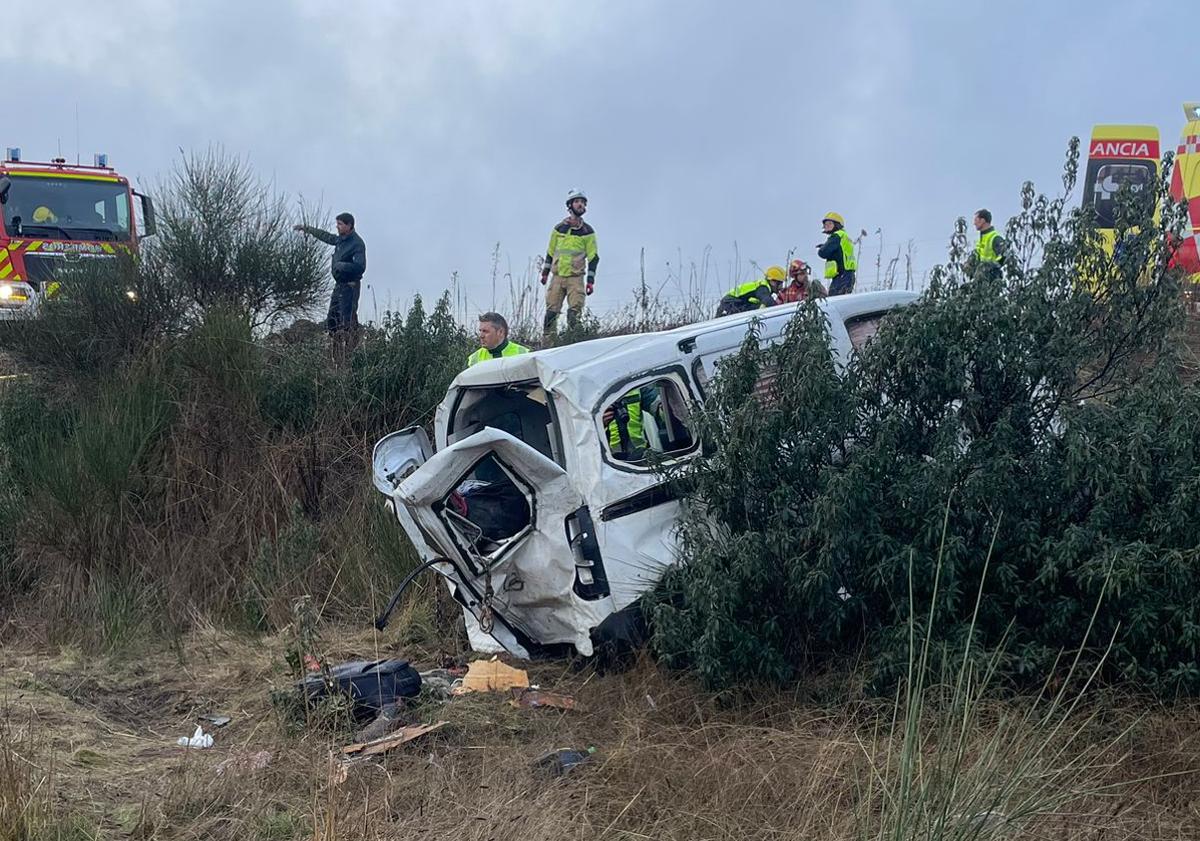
(540, 506)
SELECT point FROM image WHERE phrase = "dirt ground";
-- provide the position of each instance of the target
(87, 750)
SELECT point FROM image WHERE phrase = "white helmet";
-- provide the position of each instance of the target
(575, 194)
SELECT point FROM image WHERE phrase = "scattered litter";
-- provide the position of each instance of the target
(216, 720)
(441, 683)
(311, 664)
(492, 676)
(245, 763)
(199, 739)
(537, 698)
(650, 701)
(370, 685)
(387, 721)
(559, 762)
(404, 734)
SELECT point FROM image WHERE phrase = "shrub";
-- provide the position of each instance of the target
(226, 239)
(1036, 414)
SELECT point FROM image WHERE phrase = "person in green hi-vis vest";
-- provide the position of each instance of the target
(990, 250)
(493, 338)
(841, 266)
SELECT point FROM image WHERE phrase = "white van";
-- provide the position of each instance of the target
(540, 506)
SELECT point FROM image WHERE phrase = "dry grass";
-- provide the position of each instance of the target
(95, 756)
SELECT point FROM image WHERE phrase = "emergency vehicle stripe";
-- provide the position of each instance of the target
(108, 248)
(35, 245)
(66, 175)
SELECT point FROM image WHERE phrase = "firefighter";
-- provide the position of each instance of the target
(348, 265)
(989, 251)
(493, 337)
(802, 286)
(572, 257)
(625, 427)
(753, 295)
(838, 254)
(44, 214)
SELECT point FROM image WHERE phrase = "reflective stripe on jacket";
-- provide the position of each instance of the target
(756, 292)
(845, 252)
(506, 349)
(625, 433)
(985, 249)
(572, 251)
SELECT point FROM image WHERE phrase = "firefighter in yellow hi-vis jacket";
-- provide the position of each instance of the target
(572, 258)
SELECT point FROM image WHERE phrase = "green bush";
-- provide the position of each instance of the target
(1035, 414)
(105, 313)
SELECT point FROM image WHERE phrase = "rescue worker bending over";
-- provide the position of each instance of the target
(573, 258)
(493, 336)
(990, 250)
(754, 294)
(838, 253)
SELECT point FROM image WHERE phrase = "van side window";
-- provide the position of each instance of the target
(862, 328)
(649, 418)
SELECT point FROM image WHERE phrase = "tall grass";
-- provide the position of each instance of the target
(958, 765)
(215, 472)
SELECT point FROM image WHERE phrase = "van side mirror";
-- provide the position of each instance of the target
(5, 183)
(149, 224)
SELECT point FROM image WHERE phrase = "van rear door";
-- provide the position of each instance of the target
(502, 512)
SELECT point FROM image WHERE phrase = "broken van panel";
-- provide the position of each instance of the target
(539, 502)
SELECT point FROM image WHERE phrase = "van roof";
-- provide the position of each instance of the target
(636, 351)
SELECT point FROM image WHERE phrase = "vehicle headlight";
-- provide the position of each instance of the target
(6, 291)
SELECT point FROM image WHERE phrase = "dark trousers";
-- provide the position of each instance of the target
(729, 306)
(843, 284)
(343, 307)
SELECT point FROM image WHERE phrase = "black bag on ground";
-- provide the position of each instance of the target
(368, 683)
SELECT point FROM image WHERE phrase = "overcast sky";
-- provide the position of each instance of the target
(449, 127)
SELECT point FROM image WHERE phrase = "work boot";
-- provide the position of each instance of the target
(573, 318)
(549, 321)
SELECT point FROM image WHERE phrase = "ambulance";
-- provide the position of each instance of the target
(1130, 155)
(1185, 187)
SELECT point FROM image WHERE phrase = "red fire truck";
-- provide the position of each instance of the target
(57, 216)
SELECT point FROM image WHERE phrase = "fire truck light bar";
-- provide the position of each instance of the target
(13, 154)
(101, 159)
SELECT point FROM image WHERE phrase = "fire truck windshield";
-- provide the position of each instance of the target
(54, 207)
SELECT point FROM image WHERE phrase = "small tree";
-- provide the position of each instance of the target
(226, 239)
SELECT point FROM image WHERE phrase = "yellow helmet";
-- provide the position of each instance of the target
(776, 273)
(834, 217)
(44, 214)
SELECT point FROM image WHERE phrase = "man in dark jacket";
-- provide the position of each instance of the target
(348, 265)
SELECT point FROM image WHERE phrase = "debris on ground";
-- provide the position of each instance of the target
(441, 683)
(244, 763)
(539, 698)
(216, 720)
(369, 684)
(562, 761)
(387, 721)
(199, 739)
(492, 676)
(404, 734)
